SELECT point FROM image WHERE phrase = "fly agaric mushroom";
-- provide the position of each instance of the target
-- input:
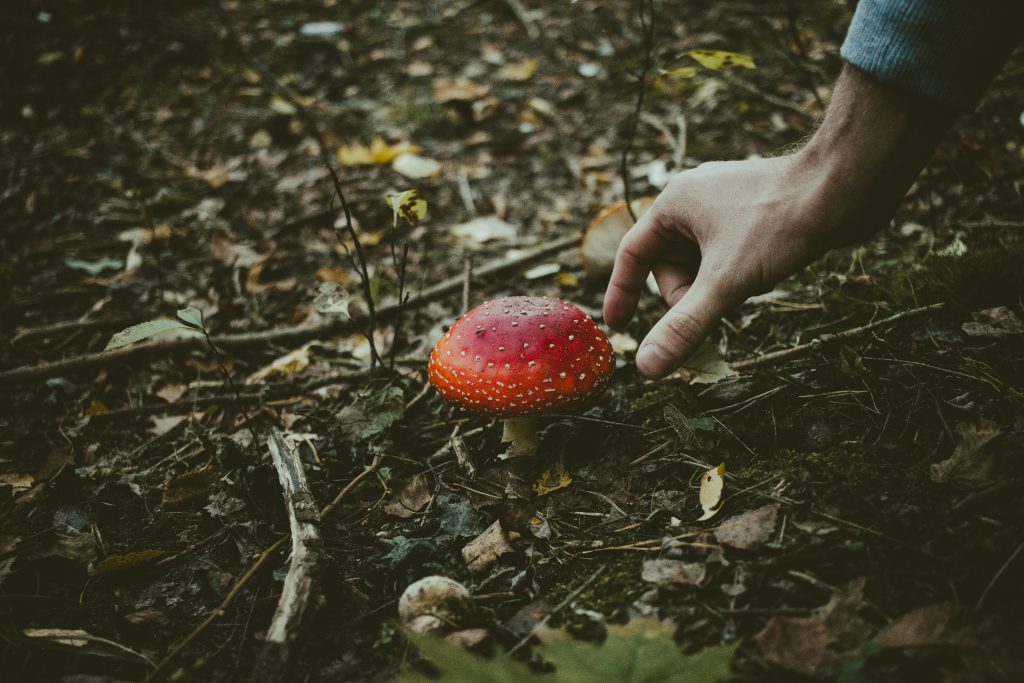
(519, 357)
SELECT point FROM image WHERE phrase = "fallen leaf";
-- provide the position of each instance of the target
(20, 481)
(190, 486)
(750, 529)
(994, 322)
(542, 270)
(920, 627)
(554, 478)
(567, 280)
(319, 29)
(720, 59)
(674, 572)
(287, 365)
(601, 241)
(409, 205)
(816, 645)
(162, 425)
(379, 152)
(486, 549)
(411, 498)
(118, 564)
(446, 91)
(485, 229)
(706, 366)
(519, 71)
(711, 484)
(415, 166)
(622, 343)
(162, 328)
(966, 462)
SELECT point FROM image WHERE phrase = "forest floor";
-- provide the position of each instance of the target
(159, 157)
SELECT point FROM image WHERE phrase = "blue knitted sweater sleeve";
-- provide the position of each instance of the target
(947, 50)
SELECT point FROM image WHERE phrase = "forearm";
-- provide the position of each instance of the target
(869, 149)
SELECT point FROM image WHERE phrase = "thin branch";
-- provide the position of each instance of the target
(298, 597)
(250, 574)
(825, 339)
(647, 27)
(558, 608)
(283, 335)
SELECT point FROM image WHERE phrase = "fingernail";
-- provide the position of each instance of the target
(653, 362)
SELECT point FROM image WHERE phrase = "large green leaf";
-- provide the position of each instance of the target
(143, 331)
(642, 651)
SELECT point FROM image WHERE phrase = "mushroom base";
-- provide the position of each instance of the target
(520, 433)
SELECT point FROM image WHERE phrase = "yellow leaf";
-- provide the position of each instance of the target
(520, 71)
(718, 59)
(568, 280)
(552, 479)
(379, 152)
(682, 73)
(96, 407)
(711, 484)
(409, 205)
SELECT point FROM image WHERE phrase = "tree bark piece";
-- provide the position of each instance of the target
(301, 585)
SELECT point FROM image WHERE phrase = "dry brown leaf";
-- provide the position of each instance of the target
(162, 425)
(816, 645)
(446, 91)
(190, 487)
(967, 462)
(519, 71)
(750, 529)
(706, 366)
(994, 322)
(411, 498)
(287, 365)
(486, 549)
(601, 242)
(923, 626)
(674, 572)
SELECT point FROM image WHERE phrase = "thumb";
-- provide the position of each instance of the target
(680, 331)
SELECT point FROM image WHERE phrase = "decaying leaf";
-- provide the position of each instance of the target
(674, 572)
(601, 241)
(446, 91)
(118, 564)
(409, 205)
(749, 529)
(720, 59)
(816, 645)
(483, 551)
(994, 322)
(162, 425)
(289, 364)
(332, 300)
(519, 71)
(706, 366)
(415, 166)
(190, 486)
(553, 478)
(411, 498)
(966, 463)
(918, 628)
(379, 152)
(84, 642)
(641, 651)
(711, 484)
(485, 229)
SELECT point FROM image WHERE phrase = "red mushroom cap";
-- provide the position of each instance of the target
(521, 355)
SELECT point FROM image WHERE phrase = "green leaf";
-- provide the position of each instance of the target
(193, 316)
(642, 651)
(383, 409)
(143, 331)
(717, 60)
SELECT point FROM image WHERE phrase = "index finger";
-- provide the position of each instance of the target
(638, 252)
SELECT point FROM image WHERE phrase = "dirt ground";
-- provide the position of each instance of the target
(155, 157)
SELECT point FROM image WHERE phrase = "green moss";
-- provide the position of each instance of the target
(619, 585)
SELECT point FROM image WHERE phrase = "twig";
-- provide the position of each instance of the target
(298, 597)
(283, 335)
(261, 560)
(995, 579)
(467, 278)
(771, 99)
(786, 354)
(647, 26)
(525, 17)
(558, 608)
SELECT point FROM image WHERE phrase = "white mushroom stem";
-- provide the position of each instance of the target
(520, 433)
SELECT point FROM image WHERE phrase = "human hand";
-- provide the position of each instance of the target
(727, 230)
(715, 236)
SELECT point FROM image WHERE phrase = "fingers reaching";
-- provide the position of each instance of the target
(680, 332)
(639, 251)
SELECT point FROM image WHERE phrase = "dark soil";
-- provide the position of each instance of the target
(193, 132)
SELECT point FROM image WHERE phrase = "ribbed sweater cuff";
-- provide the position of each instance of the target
(946, 50)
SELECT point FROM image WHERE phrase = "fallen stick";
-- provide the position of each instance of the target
(283, 335)
(301, 585)
(248, 576)
(825, 339)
